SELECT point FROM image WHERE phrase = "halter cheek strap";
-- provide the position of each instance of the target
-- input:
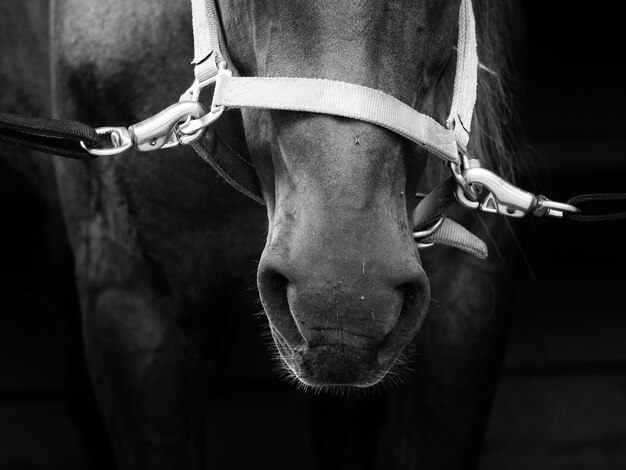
(466, 78)
(206, 42)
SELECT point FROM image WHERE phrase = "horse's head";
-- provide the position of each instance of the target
(340, 277)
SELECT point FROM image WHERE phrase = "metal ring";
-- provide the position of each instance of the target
(468, 188)
(195, 125)
(121, 141)
(464, 200)
(423, 245)
(429, 231)
(193, 92)
(186, 139)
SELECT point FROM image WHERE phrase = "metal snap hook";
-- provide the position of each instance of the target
(502, 197)
(156, 132)
(159, 131)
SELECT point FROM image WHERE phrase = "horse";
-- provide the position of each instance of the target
(164, 249)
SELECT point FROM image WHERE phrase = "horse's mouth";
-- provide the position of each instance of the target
(333, 366)
(358, 352)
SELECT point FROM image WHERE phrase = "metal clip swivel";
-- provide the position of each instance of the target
(156, 132)
(182, 123)
(162, 129)
(502, 197)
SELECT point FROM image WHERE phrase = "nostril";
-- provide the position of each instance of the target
(273, 289)
(411, 298)
(273, 292)
(412, 292)
(415, 301)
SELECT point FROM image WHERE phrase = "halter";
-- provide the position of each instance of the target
(188, 123)
(334, 97)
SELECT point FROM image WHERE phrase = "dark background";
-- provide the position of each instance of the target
(562, 400)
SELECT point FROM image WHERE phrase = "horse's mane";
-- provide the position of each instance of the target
(495, 129)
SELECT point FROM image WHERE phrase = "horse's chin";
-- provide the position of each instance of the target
(334, 367)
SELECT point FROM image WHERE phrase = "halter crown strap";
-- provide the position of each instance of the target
(206, 42)
(466, 78)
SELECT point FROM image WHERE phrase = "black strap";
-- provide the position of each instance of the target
(55, 136)
(231, 166)
(598, 207)
(62, 137)
(436, 205)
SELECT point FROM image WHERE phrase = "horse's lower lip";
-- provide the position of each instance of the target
(335, 365)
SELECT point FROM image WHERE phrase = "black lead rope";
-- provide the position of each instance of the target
(62, 137)
(598, 207)
(55, 136)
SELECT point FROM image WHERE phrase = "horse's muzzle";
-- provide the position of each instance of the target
(335, 330)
